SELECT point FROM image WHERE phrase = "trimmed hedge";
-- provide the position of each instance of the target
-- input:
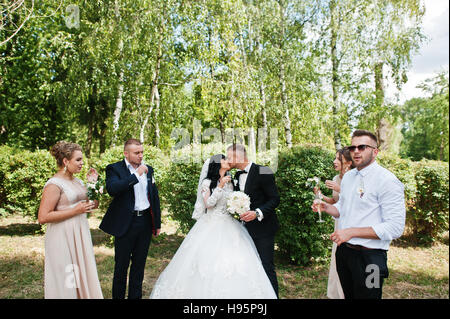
(22, 178)
(301, 239)
(426, 195)
(23, 175)
(429, 216)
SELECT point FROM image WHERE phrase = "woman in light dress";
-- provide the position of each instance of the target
(70, 268)
(342, 163)
(217, 259)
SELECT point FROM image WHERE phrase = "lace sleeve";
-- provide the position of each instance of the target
(211, 199)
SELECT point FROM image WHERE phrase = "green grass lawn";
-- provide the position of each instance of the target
(415, 272)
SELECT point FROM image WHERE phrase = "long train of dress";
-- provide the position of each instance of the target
(216, 260)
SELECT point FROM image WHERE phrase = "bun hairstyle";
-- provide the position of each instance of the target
(62, 150)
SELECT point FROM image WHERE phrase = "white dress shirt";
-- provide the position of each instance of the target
(243, 180)
(372, 197)
(140, 189)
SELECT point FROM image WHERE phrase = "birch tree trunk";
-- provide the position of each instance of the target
(157, 104)
(252, 144)
(334, 72)
(154, 85)
(119, 100)
(118, 109)
(263, 105)
(287, 120)
(383, 126)
(92, 101)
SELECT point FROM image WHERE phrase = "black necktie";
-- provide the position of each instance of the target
(236, 177)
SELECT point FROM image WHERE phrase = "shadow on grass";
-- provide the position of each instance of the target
(414, 284)
(100, 238)
(22, 276)
(408, 241)
(20, 229)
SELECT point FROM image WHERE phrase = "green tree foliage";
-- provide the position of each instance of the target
(426, 122)
(33, 71)
(142, 68)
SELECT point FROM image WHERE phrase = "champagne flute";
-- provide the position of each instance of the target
(317, 201)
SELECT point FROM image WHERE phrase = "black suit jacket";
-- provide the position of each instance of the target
(120, 185)
(262, 190)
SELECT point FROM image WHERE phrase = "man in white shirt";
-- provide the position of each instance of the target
(371, 212)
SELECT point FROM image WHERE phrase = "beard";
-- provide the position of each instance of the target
(135, 163)
(366, 162)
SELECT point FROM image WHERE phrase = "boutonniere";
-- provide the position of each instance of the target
(360, 189)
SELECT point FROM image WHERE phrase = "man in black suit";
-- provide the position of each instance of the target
(132, 217)
(258, 183)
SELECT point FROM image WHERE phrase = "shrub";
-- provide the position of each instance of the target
(430, 215)
(404, 170)
(300, 237)
(23, 176)
(426, 195)
(5, 152)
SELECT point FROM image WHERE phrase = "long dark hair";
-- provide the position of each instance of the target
(213, 170)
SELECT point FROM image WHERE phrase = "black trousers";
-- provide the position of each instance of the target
(133, 246)
(265, 247)
(361, 272)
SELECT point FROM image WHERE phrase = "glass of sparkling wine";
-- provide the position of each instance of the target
(317, 201)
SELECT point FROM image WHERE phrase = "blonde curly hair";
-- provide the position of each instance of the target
(62, 150)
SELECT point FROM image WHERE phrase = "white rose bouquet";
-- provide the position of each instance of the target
(238, 203)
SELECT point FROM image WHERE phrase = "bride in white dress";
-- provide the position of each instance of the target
(217, 259)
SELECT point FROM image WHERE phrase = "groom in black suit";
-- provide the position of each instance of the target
(132, 217)
(258, 183)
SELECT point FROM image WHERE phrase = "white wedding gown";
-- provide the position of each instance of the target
(216, 260)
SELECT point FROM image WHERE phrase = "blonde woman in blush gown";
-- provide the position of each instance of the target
(342, 163)
(70, 268)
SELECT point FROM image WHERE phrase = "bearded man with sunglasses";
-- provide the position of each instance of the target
(371, 212)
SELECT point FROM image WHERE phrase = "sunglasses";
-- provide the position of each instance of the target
(360, 148)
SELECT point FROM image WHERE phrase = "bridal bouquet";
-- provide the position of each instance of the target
(238, 203)
(94, 185)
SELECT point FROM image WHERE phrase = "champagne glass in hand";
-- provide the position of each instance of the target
(318, 202)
